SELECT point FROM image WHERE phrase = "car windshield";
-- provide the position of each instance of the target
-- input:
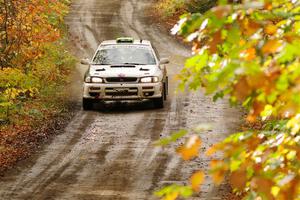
(124, 54)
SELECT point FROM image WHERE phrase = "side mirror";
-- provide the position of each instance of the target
(164, 61)
(85, 61)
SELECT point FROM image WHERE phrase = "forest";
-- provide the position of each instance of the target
(245, 52)
(35, 64)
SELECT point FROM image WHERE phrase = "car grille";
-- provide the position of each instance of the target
(120, 79)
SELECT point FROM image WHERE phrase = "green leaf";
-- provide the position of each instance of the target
(267, 112)
(173, 138)
(282, 83)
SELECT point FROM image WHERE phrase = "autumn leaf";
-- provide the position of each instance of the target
(288, 111)
(251, 57)
(270, 29)
(256, 110)
(291, 37)
(214, 42)
(272, 46)
(172, 192)
(171, 196)
(190, 149)
(242, 89)
(218, 169)
(242, 42)
(248, 54)
(268, 5)
(238, 179)
(175, 136)
(218, 177)
(213, 149)
(263, 185)
(196, 180)
(248, 26)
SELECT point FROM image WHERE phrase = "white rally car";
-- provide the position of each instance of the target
(125, 69)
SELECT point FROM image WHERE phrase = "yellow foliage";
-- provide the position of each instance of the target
(196, 180)
(191, 148)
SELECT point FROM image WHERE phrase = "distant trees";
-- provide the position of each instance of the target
(27, 28)
(24, 26)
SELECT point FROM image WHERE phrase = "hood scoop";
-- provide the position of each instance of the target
(100, 70)
(122, 66)
(144, 69)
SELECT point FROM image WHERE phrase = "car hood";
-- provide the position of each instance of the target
(123, 70)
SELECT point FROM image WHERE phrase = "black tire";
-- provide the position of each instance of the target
(167, 85)
(165, 93)
(87, 104)
(101, 105)
(159, 102)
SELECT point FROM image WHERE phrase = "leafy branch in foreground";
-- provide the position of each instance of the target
(188, 151)
(249, 52)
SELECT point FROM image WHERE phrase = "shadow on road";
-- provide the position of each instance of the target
(125, 107)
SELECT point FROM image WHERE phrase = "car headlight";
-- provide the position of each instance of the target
(89, 79)
(153, 79)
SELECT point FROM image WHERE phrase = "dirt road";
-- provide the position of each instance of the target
(109, 155)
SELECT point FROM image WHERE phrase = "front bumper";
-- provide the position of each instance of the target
(122, 91)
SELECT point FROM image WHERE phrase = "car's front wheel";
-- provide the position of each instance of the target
(87, 104)
(159, 102)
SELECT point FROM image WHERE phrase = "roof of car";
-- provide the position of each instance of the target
(133, 42)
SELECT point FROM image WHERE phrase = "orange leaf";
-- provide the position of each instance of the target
(191, 148)
(248, 54)
(218, 177)
(271, 29)
(214, 42)
(288, 110)
(268, 6)
(257, 82)
(196, 180)
(242, 42)
(272, 46)
(249, 26)
(218, 171)
(290, 37)
(242, 89)
(257, 108)
(263, 186)
(211, 150)
(238, 179)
